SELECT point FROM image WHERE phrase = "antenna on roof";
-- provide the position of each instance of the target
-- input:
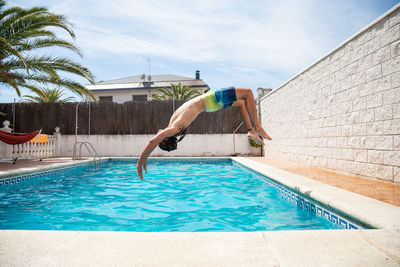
(148, 60)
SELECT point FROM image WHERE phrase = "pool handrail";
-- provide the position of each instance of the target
(93, 153)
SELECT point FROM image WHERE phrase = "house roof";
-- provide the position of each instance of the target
(138, 83)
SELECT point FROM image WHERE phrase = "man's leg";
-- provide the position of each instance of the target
(242, 106)
(247, 95)
(245, 115)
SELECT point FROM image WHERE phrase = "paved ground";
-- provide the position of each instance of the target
(378, 189)
(28, 163)
(285, 248)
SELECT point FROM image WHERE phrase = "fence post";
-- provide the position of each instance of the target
(57, 134)
(5, 149)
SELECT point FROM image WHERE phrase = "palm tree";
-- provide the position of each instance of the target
(177, 92)
(25, 30)
(49, 96)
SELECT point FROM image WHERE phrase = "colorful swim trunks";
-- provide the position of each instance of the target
(219, 99)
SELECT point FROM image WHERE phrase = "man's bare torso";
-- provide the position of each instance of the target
(186, 113)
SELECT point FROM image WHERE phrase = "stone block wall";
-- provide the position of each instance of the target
(343, 112)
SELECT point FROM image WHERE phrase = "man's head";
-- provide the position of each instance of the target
(171, 143)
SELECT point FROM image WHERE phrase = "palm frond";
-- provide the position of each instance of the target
(39, 92)
(177, 92)
(20, 29)
(51, 65)
(62, 82)
(25, 30)
(11, 17)
(48, 95)
(7, 79)
(32, 99)
(8, 12)
(163, 93)
(48, 42)
(6, 47)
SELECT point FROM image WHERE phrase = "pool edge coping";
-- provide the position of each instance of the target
(29, 170)
(260, 248)
(370, 211)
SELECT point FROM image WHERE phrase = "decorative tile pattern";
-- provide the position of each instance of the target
(173, 160)
(306, 204)
(17, 179)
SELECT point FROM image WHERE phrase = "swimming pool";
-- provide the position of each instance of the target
(177, 195)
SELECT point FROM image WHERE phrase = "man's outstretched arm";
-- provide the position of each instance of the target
(167, 132)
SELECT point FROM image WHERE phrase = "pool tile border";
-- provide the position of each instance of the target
(311, 206)
(358, 208)
(20, 178)
(305, 203)
(49, 170)
(15, 177)
(172, 160)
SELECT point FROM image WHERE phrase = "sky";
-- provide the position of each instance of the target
(242, 43)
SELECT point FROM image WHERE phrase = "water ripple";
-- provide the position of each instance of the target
(172, 197)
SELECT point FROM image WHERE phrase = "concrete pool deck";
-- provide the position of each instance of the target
(285, 248)
(380, 247)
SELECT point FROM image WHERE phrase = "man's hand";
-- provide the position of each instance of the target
(140, 166)
(150, 147)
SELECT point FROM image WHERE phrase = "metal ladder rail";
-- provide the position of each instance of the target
(90, 152)
(93, 153)
(234, 140)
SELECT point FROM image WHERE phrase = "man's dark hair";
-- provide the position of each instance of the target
(171, 143)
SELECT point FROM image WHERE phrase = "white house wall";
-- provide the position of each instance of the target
(123, 96)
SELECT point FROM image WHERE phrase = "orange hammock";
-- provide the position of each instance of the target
(16, 138)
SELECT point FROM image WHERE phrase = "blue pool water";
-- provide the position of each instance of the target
(175, 196)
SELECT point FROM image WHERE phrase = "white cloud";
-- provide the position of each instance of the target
(275, 37)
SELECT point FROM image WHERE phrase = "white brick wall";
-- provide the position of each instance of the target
(343, 112)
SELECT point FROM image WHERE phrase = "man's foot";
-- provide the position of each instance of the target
(263, 134)
(252, 135)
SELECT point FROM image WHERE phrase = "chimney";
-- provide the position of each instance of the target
(197, 75)
(262, 92)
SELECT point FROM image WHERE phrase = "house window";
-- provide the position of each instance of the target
(139, 97)
(105, 98)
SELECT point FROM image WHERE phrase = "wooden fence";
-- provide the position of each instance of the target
(134, 117)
